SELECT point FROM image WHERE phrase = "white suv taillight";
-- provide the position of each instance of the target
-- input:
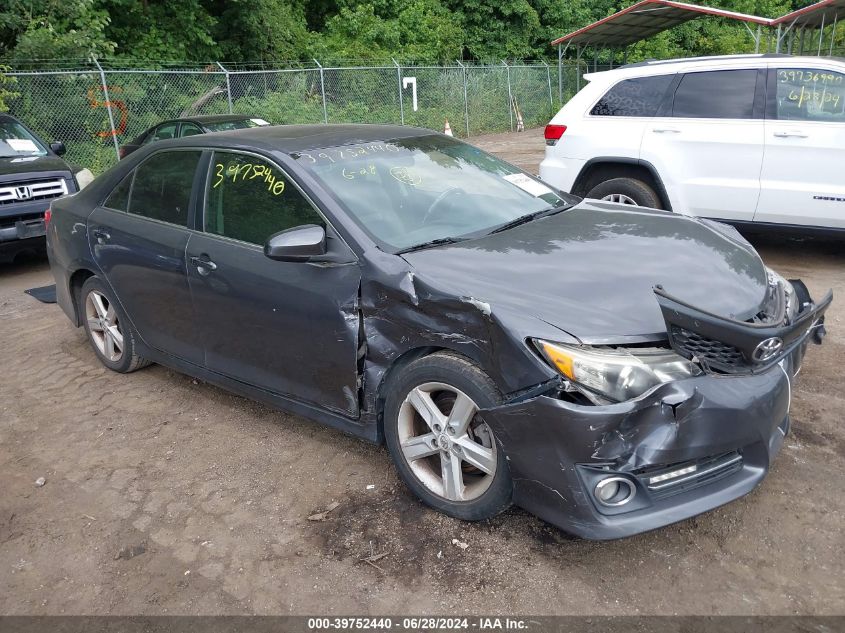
(553, 133)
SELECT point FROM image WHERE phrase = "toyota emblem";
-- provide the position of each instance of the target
(767, 349)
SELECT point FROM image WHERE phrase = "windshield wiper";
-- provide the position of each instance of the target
(528, 217)
(432, 243)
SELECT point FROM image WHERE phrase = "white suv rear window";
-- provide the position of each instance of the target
(640, 97)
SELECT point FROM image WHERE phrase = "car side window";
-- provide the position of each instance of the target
(189, 129)
(162, 186)
(810, 94)
(638, 97)
(719, 94)
(165, 131)
(119, 197)
(249, 199)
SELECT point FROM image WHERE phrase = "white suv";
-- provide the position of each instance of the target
(748, 139)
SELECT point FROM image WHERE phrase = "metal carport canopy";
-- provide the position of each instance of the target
(645, 19)
(815, 16)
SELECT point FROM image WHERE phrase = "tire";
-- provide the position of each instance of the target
(104, 320)
(472, 457)
(633, 191)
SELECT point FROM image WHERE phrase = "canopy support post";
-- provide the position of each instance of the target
(821, 36)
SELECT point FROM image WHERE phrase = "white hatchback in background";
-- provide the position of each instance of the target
(746, 139)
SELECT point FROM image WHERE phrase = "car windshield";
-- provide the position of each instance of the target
(414, 191)
(224, 126)
(16, 140)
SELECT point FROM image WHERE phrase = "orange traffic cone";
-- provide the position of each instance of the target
(448, 129)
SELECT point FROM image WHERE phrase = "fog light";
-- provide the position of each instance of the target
(614, 491)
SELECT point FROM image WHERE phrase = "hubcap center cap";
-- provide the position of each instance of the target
(444, 442)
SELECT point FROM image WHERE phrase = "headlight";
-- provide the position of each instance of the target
(791, 299)
(617, 374)
(84, 177)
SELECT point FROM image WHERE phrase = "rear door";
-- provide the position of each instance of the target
(707, 143)
(287, 327)
(138, 238)
(803, 176)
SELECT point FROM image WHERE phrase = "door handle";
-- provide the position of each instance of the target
(203, 264)
(791, 134)
(102, 236)
(665, 130)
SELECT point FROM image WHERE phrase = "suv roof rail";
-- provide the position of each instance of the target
(682, 60)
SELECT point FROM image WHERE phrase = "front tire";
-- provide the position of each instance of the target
(109, 331)
(626, 191)
(443, 451)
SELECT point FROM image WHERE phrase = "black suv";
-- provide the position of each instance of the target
(31, 175)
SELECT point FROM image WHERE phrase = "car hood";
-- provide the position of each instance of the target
(12, 167)
(591, 270)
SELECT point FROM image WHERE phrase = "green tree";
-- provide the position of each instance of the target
(255, 30)
(5, 93)
(153, 30)
(419, 30)
(497, 30)
(54, 29)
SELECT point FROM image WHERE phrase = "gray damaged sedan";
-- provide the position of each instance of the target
(610, 369)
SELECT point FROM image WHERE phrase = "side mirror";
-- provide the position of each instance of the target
(58, 148)
(298, 244)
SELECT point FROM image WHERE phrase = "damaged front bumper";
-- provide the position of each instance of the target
(681, 449)
(729, 428)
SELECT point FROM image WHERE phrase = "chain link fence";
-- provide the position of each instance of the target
(94, 110)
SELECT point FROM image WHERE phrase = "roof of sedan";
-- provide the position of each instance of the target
(216, 118)
(297, 138)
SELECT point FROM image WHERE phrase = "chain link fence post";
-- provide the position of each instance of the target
(228, 86)
(549, 80)
(510, 93)
(323, 92)
(466, 99)
(399, 85)
(108, 107)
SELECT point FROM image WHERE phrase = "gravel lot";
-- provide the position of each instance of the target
(165, 495)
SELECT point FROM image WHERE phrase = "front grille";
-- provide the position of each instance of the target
(661, 481)
(708, 351)
(27, 191)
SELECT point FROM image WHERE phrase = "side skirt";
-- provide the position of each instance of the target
(365, 428)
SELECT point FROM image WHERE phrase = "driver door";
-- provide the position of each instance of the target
(290, 328)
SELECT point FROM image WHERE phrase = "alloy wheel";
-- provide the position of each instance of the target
(104, 326)
(448, 449)
(620, 198)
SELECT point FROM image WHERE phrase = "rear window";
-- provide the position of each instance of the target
(162, 186)
(720, 94)
(225, 126)
(639, 97)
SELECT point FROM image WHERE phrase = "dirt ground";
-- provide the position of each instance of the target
(164, 495)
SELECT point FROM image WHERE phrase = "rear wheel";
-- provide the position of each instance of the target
(443, 451)
(109, 331)
(626, 191)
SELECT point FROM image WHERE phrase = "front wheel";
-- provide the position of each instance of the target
(443, 451)
(626, 191)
